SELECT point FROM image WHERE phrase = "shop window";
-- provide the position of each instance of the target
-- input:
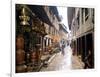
(49, 30)
(93, 16)
(78, 20)
(86, 14)
(51, 16)
(82, 15)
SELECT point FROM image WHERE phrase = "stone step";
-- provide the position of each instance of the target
(47, 62)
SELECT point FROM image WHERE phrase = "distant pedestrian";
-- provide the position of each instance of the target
(62, 50)
(63, 46)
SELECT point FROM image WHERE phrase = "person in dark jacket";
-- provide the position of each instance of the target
(88, 61)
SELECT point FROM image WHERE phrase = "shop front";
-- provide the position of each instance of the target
(30, 32)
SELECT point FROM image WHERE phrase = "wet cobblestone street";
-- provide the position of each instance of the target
(64, 62)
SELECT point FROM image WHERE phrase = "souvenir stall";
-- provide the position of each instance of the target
(29, 40)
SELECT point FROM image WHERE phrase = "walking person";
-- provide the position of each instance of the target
(88, 61)
(63, 46)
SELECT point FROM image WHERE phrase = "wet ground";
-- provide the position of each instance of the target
(64, 62)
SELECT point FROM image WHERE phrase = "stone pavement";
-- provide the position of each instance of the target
(64, 62)
(77, 63)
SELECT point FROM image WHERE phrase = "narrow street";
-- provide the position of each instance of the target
(77, 63)
(64, 62)
(54, 39)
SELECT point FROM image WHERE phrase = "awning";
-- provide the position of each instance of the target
(40, 13)
(48, 36)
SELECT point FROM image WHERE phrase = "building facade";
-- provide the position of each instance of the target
(37, 35)
(81, 23)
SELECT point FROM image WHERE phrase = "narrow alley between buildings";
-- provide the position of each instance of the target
(53, 38)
